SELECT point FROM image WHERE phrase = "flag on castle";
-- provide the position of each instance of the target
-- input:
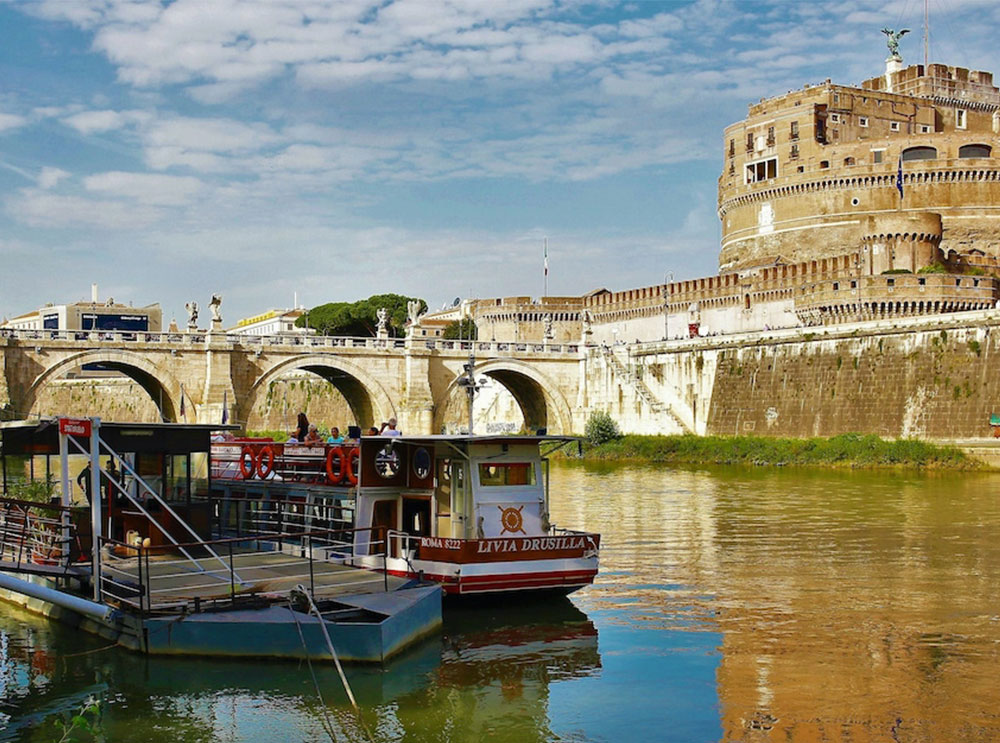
(899, 177)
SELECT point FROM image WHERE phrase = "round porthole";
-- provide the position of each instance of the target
(421, 463)
(855, 201)
(387, 462)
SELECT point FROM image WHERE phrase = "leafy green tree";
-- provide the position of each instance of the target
(461, 329)
(601, 428)
(359, 318)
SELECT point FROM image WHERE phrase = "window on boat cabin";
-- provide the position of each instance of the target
(507, 473)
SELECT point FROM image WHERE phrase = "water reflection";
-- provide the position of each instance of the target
(488, 675)
(851, 606)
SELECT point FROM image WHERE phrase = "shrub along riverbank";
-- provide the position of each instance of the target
(846, 450)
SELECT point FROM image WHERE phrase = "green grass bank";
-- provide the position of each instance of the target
(846, 450)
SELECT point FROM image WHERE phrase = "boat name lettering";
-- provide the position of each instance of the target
(441, 544)
(531, 544)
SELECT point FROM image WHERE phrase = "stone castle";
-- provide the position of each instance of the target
(838, 203)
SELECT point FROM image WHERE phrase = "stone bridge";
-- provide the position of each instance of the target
(412, 379)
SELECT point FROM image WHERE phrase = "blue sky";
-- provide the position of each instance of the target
(168, 150)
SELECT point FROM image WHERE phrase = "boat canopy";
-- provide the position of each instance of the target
(20, 438)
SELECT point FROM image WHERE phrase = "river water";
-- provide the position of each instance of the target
(732, 605)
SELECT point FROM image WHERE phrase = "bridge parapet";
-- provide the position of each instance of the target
(198, 339)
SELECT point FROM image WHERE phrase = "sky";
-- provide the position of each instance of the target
(171, 150)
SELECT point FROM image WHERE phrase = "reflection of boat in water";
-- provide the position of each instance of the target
(486, 657)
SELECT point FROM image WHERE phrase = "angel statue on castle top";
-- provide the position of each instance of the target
(892, 40)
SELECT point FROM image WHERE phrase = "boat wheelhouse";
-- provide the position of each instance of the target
(469, 512)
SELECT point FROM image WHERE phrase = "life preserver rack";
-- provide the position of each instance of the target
(267, 459)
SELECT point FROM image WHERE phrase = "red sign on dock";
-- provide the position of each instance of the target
(74, 426)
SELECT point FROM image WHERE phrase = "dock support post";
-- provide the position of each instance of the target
(95, 504)
(66, 496)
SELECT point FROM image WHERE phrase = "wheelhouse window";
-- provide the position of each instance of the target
(919, 153)
(506, 474)
(975, 150)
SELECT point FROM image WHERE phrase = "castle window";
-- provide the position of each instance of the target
(894, 126)
(922, 281)
(848, 161)
(770, 136)
(836, 97)
(960, 121)
(890, 282)
(823, 164)
(854, 284)
(794, 153)
(761, 170)
(749, 141)
(800, 169)
(925, 129)
(794, 130)
(919, 153)
(836, 286)
(863, 121)
(974, 150)
(878, 156)
(835, 118)
(732, 147)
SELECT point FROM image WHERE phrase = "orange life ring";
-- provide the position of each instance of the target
(335, 476)
(265, 462)
(352, 457)
(247, 468)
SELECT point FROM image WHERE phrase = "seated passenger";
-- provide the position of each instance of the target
(335, 437)
(390, 428)
(313, 437)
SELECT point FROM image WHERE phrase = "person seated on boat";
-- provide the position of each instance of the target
(312, 436)
(335, 437)
(389, 428)
(372, 431)
(292, 438)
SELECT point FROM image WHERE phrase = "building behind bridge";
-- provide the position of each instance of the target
(814, 228)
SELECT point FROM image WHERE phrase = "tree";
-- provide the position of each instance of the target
(461, 329)
(359, 318)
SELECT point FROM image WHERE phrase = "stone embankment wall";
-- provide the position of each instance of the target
(917, 378)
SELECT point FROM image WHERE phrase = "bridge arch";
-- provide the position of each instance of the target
(365, 395)
(162, 387)
(542, 403)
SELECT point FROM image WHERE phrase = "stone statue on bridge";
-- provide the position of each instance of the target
(192, 310)
(413, 312)
(382, 328)
(547, 334)
(214, 305)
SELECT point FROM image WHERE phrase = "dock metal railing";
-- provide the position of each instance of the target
(36, 537)
(260, 567)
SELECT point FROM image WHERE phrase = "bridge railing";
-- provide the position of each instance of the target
(262, 342)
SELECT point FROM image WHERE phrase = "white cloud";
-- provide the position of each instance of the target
(44, 209)
(146, 188)
(11, 121)
(50, 177)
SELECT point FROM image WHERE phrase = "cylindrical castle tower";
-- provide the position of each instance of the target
(902, 242)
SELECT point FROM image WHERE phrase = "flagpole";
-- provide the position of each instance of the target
(545, 267)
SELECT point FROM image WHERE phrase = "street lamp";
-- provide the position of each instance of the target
(668, 279)
(469, 383)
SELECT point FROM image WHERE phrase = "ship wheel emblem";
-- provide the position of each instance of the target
(511, 519)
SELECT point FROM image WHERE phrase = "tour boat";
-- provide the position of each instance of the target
(469, 512)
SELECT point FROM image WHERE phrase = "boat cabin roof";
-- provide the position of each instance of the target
(42, 437)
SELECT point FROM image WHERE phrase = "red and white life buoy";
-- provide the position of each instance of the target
(335, 472)
(352, 462)
(248, 463)
(265, 462)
